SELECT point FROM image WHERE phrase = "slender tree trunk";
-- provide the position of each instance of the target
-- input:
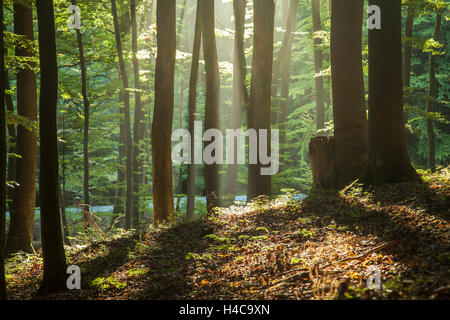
(260, 91)
(432, 93)
(120, 191)
(139, 122)
(192, 105)
(388, 160)
(285, 72)
(52, 241)
(20, 234)
(212, 183)
(181, 110)
(86, 105)
(240, 90)
(349, 104)
(62, 188)
(3, 293)
(407, 49)
(12, 142)
(127, 127)
(318, 58)
(163, 207)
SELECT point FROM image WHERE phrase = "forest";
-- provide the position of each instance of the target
(224, 150)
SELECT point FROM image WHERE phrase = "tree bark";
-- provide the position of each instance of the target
(3, 292)
(322, 151)
(240, 91)
(192, 106)
(20, 234)
(86, 106)
(52, 242)
(388, 160)
(212, 182)
(127, 125)
(285, 73)
(349, 105)
(260, 91)
(163, 206)
(139, 122)
(432, 93)
(318, 61)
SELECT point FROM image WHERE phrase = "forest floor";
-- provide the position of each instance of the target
(323, 247)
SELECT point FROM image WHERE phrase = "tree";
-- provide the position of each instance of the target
(212, 182)
(388, 159)
(126, 120)
(432, 93)
(163, 206)
(240, 91)
(86, 106)
(349, 105)
(260, 91)
(3, 293)
(409, 27)
(318, 60)
(286, 68)
(20, 234)
(139, 120)
(52, 240)
(192, 105)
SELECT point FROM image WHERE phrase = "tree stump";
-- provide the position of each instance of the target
(323, 163)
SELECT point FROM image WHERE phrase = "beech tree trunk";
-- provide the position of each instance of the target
(322, 151)
(86, 105)
(388, 160)
(127, 125)
(20, 234)
(285, 73)
(260, 92)
(240, 91)
(139, 122)
(52, 241)
(3, 294)
(163, 206)
(318, 62)
(432, 93)
(212, 182)
(349, 105)
(192, 105)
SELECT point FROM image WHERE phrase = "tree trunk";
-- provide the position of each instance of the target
(20, 235)
(260, 91)
(212, 182)
(3, 293)
(52, 242)
(285, 73)
(432, 93)
(388, 160)
(318, 58)
(192, 106)
(139, 122)
(407, 49)
(322, 151)
(163, 207)
(127, 128)
(120, 191)
(240, 91)
(86, 105)
(349, 105)
(12, 162)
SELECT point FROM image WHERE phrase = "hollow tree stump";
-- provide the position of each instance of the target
(323, 162)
